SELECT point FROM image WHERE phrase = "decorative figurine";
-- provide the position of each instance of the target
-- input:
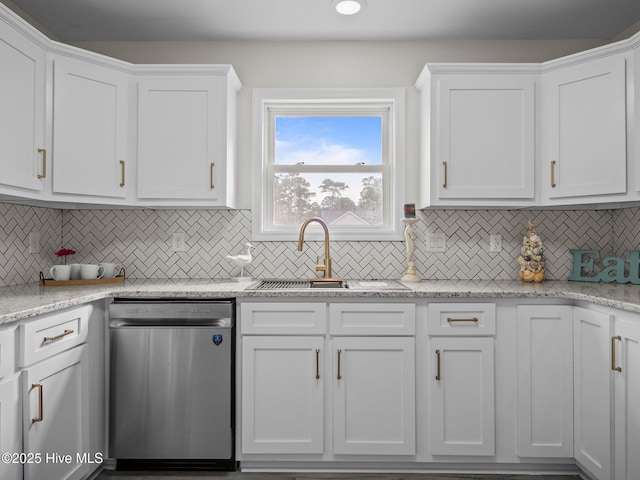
(531, 257)
(410, 276)
(242, 261)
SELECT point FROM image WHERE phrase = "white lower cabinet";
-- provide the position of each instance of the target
(592, 391)
(288, 375)
(462, 378)
(374, 396)
(10, 409)
(283, 377)
(10, 428)
(282, 394)
(625, 364)
(55, 416)
(56, 393)
(462, 419)
(544, 368)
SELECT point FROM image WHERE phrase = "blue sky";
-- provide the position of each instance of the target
(334, 140)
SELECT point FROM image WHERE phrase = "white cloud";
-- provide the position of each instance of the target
(323, 153)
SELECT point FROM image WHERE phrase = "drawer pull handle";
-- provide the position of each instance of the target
(553, 174)
(317, 363)
(122, 173)
(211, 175)
(44, 163)
(39, 417)
(438, 359)
(453, 320)
(63, 334)
(339, 352)
(444, 183)
(613, 354)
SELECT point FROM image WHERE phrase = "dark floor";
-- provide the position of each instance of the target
(106, 475)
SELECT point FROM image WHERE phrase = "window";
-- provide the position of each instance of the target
(333, 154)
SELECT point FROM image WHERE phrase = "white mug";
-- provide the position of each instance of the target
(89, 271)
(75, 271)
(60, 272)
(111, 269)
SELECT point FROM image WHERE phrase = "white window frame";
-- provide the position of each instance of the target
(267, 102)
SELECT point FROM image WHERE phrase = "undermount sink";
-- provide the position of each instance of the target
(286, 284)
(359, 285)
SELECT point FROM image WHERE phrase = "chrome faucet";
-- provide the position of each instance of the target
(320, 267)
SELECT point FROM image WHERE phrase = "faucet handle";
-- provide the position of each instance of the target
(320, 267)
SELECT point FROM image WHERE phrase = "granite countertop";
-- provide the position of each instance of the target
(24, 301)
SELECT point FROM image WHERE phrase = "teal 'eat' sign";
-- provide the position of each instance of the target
(613, 268)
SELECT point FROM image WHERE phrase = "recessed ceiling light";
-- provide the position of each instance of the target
(349, 7)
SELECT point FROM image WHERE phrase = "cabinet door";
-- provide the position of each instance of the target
(584, 141)
(592, 386)
(179, 130)
(374, 396)
(22, 111)
(282, 395)
(627, 393)
(89, 138)
(544, 366)
(485, 143)
(55, 416)
(10, 431)
(462, 396)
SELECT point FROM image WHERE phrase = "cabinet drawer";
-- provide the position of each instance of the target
(53, 333)
(7, 351)
(283, 318)
(372, 319)
(461, 319)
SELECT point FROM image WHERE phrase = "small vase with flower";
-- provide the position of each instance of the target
(65, 252)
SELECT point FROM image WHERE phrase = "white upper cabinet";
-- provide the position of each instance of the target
(478, 134)
(22, 112)
(186, 137)
(90, 107)
(584, 155)
(634, 120)
(563, 132)
(84, 106)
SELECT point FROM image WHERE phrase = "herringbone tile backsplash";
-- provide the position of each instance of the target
(141, 241)
(17, 265)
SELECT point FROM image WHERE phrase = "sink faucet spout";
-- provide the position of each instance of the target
(320, 267)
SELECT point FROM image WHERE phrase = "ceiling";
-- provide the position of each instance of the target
(203, 20)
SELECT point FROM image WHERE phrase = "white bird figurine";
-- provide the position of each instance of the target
(242, 260)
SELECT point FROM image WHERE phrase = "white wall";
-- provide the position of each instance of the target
(335, 64)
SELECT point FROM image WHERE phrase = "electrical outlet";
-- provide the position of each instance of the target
(495, 243)
(436, 242)
(178, 242)
(34, 242)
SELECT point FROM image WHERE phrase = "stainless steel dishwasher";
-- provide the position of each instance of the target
(172, 384)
